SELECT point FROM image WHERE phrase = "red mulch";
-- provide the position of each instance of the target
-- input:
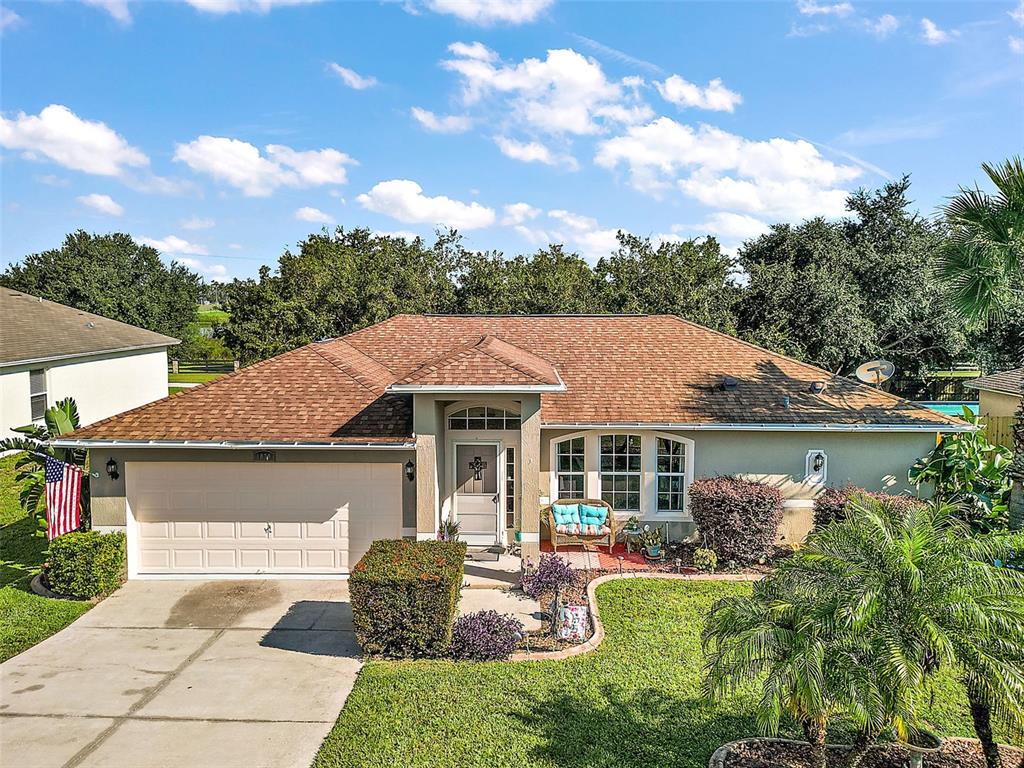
(635, 561)
(954, 753)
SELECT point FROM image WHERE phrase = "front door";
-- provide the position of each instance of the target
(477, 495)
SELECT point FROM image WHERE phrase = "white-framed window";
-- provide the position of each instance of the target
(671, 476)
(37, 393)
(621, 468)
(483, 417)
(510, 487)
(570, 469)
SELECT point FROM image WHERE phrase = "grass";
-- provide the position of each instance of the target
(25, 618)
(192, 378)
(633, 703)
(213, 317)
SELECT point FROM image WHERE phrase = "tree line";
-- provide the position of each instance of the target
(833, 293)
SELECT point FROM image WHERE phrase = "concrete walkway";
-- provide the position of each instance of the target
(183, 673)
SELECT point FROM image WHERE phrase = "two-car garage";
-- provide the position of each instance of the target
(211, 518)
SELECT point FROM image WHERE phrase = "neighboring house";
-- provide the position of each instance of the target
(999, 394)
(295, 464)
(49, 351)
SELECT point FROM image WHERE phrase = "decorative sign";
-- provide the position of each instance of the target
(572, 623)
(478, 465)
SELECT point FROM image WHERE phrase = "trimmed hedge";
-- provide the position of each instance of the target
(831, 505)
(86, 564)
(404, 596)
(738, 519)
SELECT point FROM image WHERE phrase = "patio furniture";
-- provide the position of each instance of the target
(580, 533)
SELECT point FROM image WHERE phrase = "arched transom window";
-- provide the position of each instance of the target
(483, 417)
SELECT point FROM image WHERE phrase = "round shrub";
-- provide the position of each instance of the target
(485, 636)
(553, 574)
(738, 519)
(831, 505)
(86, 564)
(705, 560)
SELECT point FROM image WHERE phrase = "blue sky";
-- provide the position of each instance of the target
(224, 131)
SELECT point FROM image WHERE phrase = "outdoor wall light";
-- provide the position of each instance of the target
(112, 472)
(263, 456)
(410, 471)
(819, 462)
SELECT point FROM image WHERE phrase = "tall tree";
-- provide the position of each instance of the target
(983, 263)
(837, 293)
(113, 276)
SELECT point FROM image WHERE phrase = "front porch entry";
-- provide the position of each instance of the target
(477, 497)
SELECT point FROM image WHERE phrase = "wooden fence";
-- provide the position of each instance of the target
(999, 430)
(202, 366)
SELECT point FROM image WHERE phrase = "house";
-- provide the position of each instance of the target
(999, 394)
(295, 464)
(49, 351)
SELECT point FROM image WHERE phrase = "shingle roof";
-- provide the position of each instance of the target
(618, 369)
(1009, 382)
(37, 330)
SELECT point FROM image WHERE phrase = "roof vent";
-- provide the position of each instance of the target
(817, 387)
(325, 339)
(90, 324)
(729, 383)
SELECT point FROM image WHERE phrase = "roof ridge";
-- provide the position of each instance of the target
(445, 357)
(337, 364)
(519, 366)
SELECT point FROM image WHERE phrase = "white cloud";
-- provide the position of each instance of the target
(733, 228)
(812, 8)
(441, 123)
(62, 136)
(51, 180)
(1016, 44)
(883, 26)
(8, 18)
(174, 244)
(932, 35)
(221, 7)
(235, 246)
(404, 200)
(313, 215)
(615, 53)
(889, 131)
(584, 233)
(404, 234)
(533, 152)
(197, 223)
(777, 177)
(351, 78)
(118, 9)
(101, 204)
(1017, 14)
(218, 273)
(489, 12)
(683, 93)
(474, 50)
(566, 93)
(243, 166)
(517, 213)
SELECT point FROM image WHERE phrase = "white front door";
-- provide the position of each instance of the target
(477, 492)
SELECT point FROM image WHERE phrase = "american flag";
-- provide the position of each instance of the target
(63, 493)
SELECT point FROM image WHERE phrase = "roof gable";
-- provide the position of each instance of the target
(487, 362)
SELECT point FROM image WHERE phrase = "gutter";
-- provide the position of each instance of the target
(170, 342)
(740, 427)
(84, 443)
(474, 388)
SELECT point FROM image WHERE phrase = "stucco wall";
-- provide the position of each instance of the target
(102, 386)
(108, 496)
(997, 404)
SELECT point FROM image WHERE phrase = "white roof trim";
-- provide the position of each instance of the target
(474, 388)
(766, 427)
(95, 353)
(80, 443)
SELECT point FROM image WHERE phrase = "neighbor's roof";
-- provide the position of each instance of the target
(36, 330)
(617, 369)
(1007, 382)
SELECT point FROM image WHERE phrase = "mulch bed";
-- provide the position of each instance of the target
(954, 753)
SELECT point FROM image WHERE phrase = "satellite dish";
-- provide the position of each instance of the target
(875, 371)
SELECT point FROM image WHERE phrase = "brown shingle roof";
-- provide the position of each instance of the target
(617, 370)
(34, 329)
(1008, 382)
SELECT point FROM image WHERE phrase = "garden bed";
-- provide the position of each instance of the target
(775, 753)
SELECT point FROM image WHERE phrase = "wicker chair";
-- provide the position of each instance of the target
(579, 538)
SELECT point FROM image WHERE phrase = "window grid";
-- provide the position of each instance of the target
(510, 487)
(671, 478)
(37, 393)
(621, 472)
(570, 466)
(483, 417)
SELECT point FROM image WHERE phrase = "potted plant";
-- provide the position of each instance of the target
(920, 744)
(650, 542)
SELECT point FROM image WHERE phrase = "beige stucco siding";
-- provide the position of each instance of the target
(997, 403)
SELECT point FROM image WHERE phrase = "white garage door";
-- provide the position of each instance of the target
(245, 518)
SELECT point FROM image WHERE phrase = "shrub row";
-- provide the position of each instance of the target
(86, 564)
(831, 505)
(738, 519)
(404, 597)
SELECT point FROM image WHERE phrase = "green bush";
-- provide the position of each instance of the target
(86, 564)
(705, 560)
(738, 519)
(404, 596)
(831, 505)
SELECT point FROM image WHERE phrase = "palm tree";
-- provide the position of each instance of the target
(59, 419)
(924, 594)
(983, 264)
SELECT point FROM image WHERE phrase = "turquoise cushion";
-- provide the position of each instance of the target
(590, 515)
(566, 514)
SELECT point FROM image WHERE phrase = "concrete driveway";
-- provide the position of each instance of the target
(185, 673)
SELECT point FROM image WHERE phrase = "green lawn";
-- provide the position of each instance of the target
(25, 618)
(192, 378)
(213, 317)
(633, 703)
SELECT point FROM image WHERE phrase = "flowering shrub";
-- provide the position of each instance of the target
(485, 636)
(738, 519)
(705, 560)
(553, 574)
(831, 505)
